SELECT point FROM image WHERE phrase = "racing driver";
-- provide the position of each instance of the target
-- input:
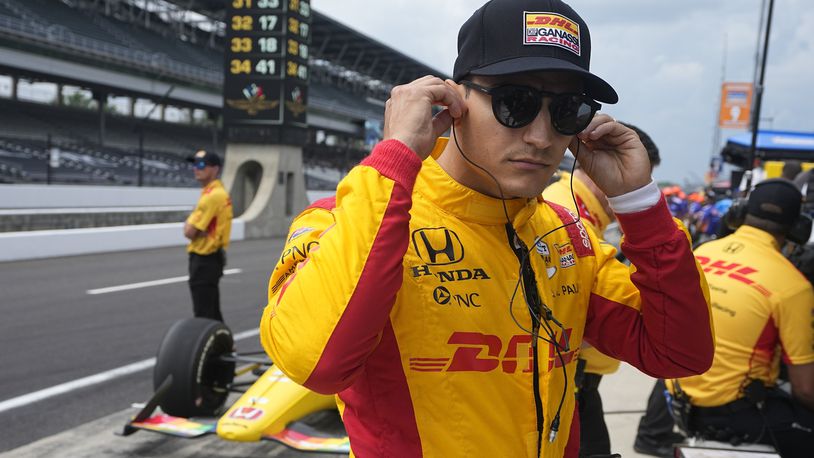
(442, 299)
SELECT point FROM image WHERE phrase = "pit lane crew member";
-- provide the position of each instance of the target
(763, 309)
(411, 307)
(208, 228)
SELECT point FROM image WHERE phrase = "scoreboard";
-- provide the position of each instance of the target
(266, 68)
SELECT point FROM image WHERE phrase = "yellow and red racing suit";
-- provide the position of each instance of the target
(592, 215)
(402, 296)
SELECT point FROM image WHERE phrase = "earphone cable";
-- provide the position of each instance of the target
(537, 320)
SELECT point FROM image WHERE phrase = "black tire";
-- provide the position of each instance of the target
(190, 353)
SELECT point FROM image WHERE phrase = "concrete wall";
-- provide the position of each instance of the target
(268, 212)
(23, 201)
(280, 186)
(15, 246)
(54, 219)
(69, 196)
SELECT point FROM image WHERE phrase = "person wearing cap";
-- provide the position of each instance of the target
(442, 299)
(208, 228)
(763, 309)
(581, 195)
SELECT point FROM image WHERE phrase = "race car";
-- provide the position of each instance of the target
(194, 374)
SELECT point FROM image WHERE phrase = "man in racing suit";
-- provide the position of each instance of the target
(444, 300)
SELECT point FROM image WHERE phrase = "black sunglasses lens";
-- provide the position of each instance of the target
(571, 114)
(515, 106)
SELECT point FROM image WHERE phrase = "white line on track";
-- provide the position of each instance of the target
(95, 379)
(147, 284)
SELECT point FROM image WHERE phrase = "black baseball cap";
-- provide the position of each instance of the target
(205, 156)
(515, 36)
(776, 200)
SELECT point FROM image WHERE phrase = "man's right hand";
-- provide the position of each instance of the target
(191, 232)
(408, 113)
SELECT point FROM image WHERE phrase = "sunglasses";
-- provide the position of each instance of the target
(517, 106)
(199, 165)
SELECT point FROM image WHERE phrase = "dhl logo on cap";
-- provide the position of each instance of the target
(550, 29)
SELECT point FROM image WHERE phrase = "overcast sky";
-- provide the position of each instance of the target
(664, 58)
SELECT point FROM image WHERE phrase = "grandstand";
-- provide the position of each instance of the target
(105, 59)
(30, 134)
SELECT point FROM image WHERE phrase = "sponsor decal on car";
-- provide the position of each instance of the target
(246, 413)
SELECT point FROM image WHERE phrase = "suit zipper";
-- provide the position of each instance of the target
(530, 285)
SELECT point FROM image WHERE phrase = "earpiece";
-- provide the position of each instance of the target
(800, 231)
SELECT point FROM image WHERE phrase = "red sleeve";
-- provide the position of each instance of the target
(659, 320)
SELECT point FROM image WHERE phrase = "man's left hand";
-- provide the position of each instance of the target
(613, 156)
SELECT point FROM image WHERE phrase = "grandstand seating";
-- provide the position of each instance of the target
(321, 178)
(325, 166)
(6, 11)
(88, 157)
(56, 12)
(25, 127)
(76, 131)
(54, 24)
(26, 161)
(172, 47)
(327, 97)
(36, 120)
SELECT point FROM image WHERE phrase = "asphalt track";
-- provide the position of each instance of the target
(54, 332)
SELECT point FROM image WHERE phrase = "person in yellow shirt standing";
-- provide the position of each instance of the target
(208, 229)
(763, 309)
(595, 213)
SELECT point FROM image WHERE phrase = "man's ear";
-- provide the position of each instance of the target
(464, 92)
(460, 88)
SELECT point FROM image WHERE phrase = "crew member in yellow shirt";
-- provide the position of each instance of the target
(763, 310)
(208, 229)
(594, 212)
